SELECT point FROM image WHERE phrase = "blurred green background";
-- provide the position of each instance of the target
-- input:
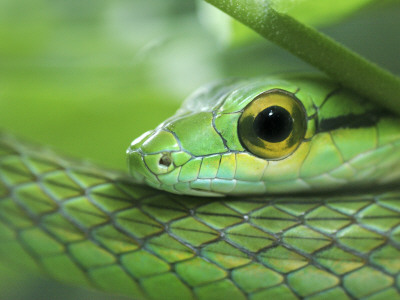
(88, 76)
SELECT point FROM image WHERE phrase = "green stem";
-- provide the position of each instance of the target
(340, 63)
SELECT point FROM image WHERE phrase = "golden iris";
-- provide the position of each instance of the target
(273, 125)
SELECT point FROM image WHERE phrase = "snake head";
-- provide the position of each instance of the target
(155, 157)
(269, 136)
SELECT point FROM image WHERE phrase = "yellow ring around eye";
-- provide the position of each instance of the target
(291, 108)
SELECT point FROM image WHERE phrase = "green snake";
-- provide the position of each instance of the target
(299, 198)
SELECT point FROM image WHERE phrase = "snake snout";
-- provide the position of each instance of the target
(151, 155)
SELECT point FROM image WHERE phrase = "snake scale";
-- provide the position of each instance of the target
(309, 211)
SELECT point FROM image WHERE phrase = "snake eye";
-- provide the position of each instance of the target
(273, 125)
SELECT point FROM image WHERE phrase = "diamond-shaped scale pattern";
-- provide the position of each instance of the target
(91, 227)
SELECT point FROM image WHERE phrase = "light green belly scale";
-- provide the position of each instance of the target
(88, 227)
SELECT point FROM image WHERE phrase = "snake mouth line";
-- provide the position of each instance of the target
(207, 193)
(169, 179)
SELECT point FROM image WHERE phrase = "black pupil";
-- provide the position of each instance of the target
(274, 124)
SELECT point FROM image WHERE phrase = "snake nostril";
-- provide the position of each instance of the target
(165, 160)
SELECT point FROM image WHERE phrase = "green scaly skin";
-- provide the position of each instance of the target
(91, 227)
(349, 143)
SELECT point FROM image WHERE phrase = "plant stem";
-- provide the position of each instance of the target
(340, 63)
